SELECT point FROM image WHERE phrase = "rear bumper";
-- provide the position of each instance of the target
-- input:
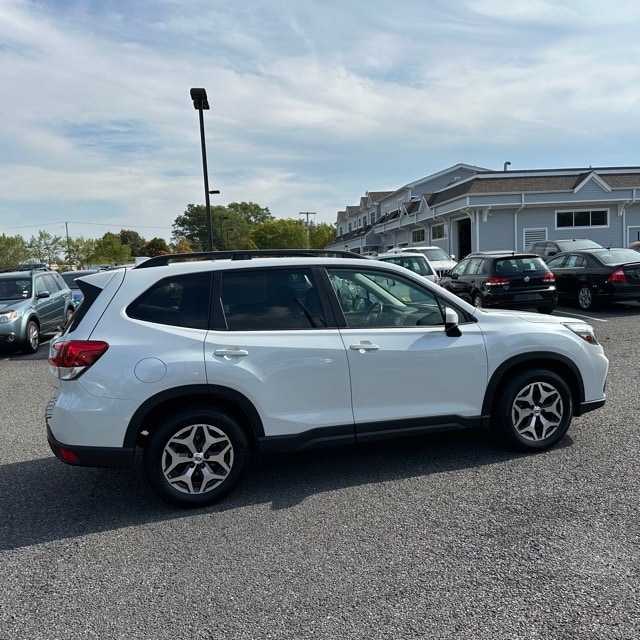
(91, 456)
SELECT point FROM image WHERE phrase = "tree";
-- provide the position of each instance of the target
(280, 234)
(46, 248)
(110, 249)
(133, 240)
(13, 251)
(320, 235)
(156, 247)
(182, 246)
(241, 217)
(81, 251)
(250, 212)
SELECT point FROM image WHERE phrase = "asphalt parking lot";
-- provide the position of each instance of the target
(446, 536)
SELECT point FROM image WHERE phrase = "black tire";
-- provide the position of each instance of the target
(477, 301)
(67, 318)
(534, 411)
(185, 483)
(586, 297)
(546, 309)
(31, 342)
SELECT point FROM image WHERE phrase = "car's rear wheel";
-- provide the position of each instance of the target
(195, 457)
(67, 318)
(477, 301)
(32, 338)
(534, 411)
(586, 298)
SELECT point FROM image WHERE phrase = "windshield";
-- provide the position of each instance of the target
(71, 277)
(574, 245)
(15, 288)
(418, 264)
(615, 256)
(436, 254)
(520, 265)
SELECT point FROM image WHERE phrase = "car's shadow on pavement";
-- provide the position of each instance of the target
(13, 353)
(45, 500)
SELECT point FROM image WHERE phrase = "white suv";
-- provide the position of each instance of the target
(439, 258)
(206, 359)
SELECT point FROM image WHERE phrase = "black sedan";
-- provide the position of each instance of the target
(591, 276)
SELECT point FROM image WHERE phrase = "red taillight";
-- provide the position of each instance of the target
(69, 359)
(618, 276)
(548, 278)
(494, 280)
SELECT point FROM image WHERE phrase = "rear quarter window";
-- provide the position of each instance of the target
(180, 301)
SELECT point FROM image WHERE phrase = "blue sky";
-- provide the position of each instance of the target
(312, 103)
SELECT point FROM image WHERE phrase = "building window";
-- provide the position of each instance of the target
(594, 218)
(417, 236)
(437, 232)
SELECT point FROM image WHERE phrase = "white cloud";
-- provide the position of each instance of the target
(312, 104)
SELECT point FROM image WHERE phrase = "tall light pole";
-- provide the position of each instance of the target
(228, 245)
(200, 102)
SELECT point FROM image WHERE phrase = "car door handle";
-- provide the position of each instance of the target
(230, 353)
(363, 346)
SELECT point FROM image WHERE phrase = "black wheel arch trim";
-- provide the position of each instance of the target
(208, 392)
(539, 359)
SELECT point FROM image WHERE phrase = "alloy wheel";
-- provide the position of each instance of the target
(537, 411)
(197, 459)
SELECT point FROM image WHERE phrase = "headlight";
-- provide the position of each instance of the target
(585, 331)
(8, 316)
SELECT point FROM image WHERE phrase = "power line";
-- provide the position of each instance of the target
(99, 224)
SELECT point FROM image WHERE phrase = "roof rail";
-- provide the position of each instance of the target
(246, 254)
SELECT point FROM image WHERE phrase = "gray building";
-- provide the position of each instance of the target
(466, 208)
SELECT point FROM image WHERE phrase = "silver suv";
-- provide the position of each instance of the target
(204, 360)
(32, 303)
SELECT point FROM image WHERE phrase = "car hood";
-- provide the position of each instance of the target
(10, 304)
(528, 316)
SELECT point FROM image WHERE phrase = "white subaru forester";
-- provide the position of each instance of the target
(206, 359)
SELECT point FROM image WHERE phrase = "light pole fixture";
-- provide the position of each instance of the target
(200, 103)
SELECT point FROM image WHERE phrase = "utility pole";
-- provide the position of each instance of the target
(66, 226)
(306, 224)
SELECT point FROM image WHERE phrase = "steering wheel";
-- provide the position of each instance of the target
(372, 314)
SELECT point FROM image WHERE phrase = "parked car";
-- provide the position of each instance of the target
(549, 248)
(503, 279)
(32, 303)
(592, 276)
(440, 260)
(205, 359)
(416, 262)
(70, 278)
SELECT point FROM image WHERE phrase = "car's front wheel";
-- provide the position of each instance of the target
(32, 337)
(195, 457)
(534, 411)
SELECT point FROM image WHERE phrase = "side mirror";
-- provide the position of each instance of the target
(43, 294)
(453, 256)
(451, 320)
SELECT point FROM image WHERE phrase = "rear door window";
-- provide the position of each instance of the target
(271, 299)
